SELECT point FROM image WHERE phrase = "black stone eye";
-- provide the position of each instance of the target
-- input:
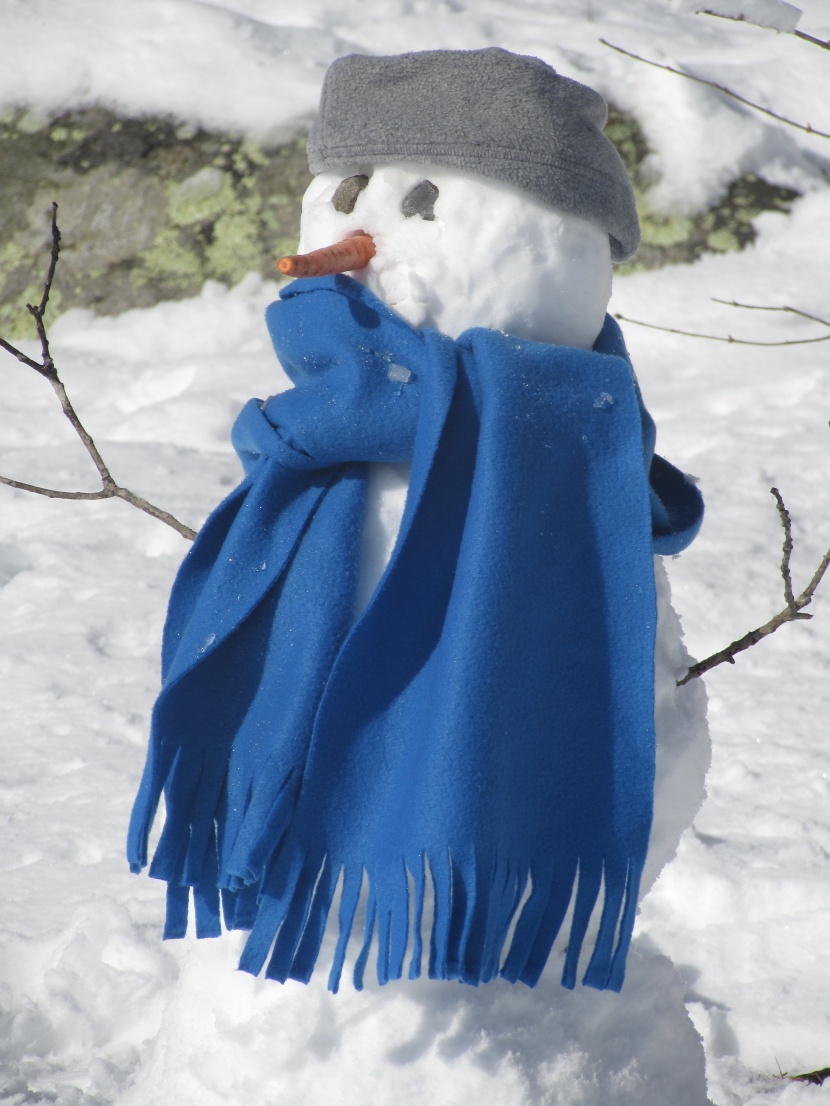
(346, 193)
(420, 200)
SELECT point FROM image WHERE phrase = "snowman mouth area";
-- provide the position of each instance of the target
(353, 252)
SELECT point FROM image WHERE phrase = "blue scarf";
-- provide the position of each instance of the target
(487, 722)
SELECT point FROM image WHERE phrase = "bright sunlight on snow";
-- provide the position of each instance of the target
(728, 977)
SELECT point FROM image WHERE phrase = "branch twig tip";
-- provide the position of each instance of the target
(46, 367)
(792, 612)
(806, 127)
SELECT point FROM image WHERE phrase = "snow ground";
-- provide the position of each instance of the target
(93, 1008)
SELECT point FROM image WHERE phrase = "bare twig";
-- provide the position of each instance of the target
(739, 341)
(36, 365)
(720, 338)
(46, 367)
(809, 38)
(741, 19)
(786, 549)
(767, 307)
(792, 612)
(719, 88)
(39, 311)
(814, 1077)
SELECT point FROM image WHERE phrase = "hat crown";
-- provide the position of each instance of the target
(507, 116)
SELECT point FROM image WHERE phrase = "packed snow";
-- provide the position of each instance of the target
(728, 959)
(430, 271)
(776, 14)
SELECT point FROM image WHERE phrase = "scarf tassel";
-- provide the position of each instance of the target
(474, 908)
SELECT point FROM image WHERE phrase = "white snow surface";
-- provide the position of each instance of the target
(730, 945)
(775, 14)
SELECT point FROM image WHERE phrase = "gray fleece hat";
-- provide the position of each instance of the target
(501, 115)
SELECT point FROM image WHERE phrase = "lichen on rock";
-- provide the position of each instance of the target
(673, 239)
(151, 208)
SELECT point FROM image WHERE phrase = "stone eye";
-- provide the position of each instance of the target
(346, 193)
(420, 200)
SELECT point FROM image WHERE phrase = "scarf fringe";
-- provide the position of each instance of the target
(224, 842)
(475, 905)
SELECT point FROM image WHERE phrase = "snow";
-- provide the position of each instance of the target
(775, 14)
(93, 1007)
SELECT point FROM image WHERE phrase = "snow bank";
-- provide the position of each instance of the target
(775, 14)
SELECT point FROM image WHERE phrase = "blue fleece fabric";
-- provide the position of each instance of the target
(487, 723)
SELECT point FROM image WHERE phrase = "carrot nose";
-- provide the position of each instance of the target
(352, 253)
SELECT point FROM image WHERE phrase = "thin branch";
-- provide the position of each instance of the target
(151, 509)
(36, 365)
(787, 548)
(740, 341)
(814, 1077)
(54, 493)
(815, 41)
(727, 338)
(80, 430)
(767, 307)
(741, 19)
(40, 310)
(792, 612)
(720, 88)
(111, 491)
(46, 367)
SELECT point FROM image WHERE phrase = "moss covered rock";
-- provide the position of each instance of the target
(677, 239)
(149, 209)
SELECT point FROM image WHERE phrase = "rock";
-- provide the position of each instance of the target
(679, 239)
(148, 210)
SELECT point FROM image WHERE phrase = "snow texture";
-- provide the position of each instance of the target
(731, 939)
(775, 14)
(492, 256)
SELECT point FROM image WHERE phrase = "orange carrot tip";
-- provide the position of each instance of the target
(340, 257)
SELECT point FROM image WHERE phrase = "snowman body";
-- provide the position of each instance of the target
(437, 678)
(457, 251)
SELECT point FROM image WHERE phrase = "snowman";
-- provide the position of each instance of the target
(418, 658)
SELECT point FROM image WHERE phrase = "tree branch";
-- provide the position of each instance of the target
(151, 509)
(815, 41)
(718, 337)
(787, 549)
(792, 612)
(54, 493)
(814, 1077)
(46, 367)
(739, 341)
(36, 365)
(39, 311)
(720, 88)
(741, 19)
(767, 307)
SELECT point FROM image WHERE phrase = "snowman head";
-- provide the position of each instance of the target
(485, 180)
